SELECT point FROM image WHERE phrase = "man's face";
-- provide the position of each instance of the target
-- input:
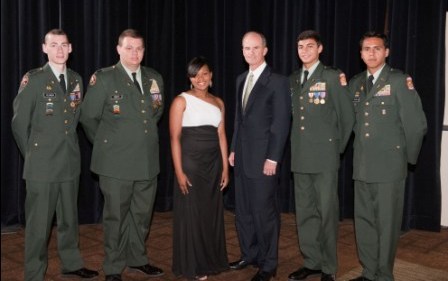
(57, 48)
(253, 50)
(131, 52)
(308, 51)
(374, 53)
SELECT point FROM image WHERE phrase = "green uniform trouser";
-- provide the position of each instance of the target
(317, 216)
(378, 217)
(42, 200)
(127, 215)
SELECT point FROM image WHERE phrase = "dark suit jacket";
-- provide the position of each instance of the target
(261, 131)
(44, 125)
(323, 119)
(122, 123)
(390, 126)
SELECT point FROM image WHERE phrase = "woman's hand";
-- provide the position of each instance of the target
(184, 183)
(224, 179)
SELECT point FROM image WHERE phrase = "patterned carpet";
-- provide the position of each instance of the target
(406, 271)
(421, 255)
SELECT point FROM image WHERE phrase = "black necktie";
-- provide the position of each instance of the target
(370, 83)
(62, 82)
(305, 77)
(134, 76)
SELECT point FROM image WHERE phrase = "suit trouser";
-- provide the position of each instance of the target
(317, 217)
(258, 220)
(127, 216)
(378, 217)
(42, 200)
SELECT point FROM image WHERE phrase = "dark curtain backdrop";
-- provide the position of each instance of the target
(176, 31)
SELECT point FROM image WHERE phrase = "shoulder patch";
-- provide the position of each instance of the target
(92, 81)
(24, 82)
(342, 79)
(409, 83)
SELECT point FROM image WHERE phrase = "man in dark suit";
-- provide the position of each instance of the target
(389, 130)
(46, 113)
(122, 107)
(262, 121)
(323, 120)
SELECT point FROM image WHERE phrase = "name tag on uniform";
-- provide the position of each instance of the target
(49, 95)
(116, 97)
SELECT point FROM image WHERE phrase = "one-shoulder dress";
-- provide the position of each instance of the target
(199, 245)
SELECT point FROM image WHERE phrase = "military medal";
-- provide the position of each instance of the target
(357, 98)
(322, 97)
(116, 109)
(155, 95)
(310, 95)
(49, 108)
(316, 97)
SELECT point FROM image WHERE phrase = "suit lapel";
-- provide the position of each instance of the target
(381, 81)
(262, 80)
(53, 81)
(316, 76)
(123, 75)
(240, 88)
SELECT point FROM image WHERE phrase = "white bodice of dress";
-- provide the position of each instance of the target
(199, 113)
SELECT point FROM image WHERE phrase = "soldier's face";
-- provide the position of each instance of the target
(131, 52)
(374, 53)
(202, 79)
(308, 51)
(57, 48)
(254, 50)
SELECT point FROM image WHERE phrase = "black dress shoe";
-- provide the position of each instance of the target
(263, 275)
(327, 277)
(113, 277)
(151, 271)
(239, 264)
(304, 273)
(82, 273)
(360, 278)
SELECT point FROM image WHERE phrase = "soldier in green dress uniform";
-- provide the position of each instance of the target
(46, 113)
(123, 104)
(323, 120)
(389, 130)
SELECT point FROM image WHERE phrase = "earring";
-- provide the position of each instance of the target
(211, 84)
(191, 86)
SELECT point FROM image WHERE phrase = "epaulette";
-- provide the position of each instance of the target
(295, 73)
(107, 69)
(397, 70)
(328, 67)
(35, 71)
(358, 75)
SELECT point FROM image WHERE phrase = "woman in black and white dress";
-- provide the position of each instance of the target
(199, 151)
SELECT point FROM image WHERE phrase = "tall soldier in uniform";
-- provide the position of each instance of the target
(389, 130)
(323, 120)
(46, 113)
(120, 113)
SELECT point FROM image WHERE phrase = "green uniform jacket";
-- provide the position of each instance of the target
(122, 123)
(390, 125)
(44, 125)
(323, 120)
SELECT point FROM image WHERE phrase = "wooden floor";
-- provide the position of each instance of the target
(429, 249)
